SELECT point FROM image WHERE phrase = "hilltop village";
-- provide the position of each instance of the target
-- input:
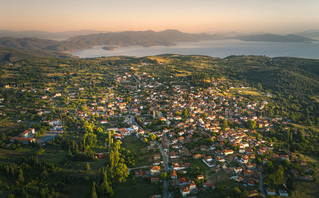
(182, 139)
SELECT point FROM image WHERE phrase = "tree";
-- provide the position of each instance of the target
(153, 136)
(163, 175)
(251, 124)
(105, 186)
(224, 124)
(20, 176)
(110, 138)
(99, 130)
(94, 194)
(121, 172)
(185, 113)
(88, 168)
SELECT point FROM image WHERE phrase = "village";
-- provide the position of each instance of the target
(201, 135)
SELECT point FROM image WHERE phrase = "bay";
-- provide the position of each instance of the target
(215, 48)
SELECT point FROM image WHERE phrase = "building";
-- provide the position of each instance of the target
(28, 133)
(155, 170)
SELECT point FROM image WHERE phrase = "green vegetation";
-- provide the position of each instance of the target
(89, 157)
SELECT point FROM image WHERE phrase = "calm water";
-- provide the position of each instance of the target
(217, 48)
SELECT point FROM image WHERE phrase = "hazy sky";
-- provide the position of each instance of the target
(280, 16)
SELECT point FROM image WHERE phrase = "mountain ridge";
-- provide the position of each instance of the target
(128, 38)
(275, 38)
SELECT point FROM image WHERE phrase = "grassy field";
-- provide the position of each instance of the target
(52, 155)
(138, 147)
(9, 124)
(138, 189)
(246, 92)
(305, 190)
(133, 144)
(308, 189)
(80, 191)
(16, 154)
(200, 164)
(220, 177)
(305, 127)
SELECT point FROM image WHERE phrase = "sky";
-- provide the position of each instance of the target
(247, 16)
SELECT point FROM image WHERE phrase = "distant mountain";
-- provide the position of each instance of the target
(121, 39)
(275, 38)
(116, 39)
(46, 35)
(11, 54)
(314, 34)
(28, 43)
(144, 38)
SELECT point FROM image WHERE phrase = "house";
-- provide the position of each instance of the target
(253, 193)
(140, 132)
(163, 119)
(283, 193)
(220, 159)
(55, 122)
(140, 173)
(228, 152)
(173, 174)
(176, 166)
(271, 191)
(197, 156)
(155, 170)
(183, 181)
(184, 191)
(238, 170)
(103, 122)
(208, 185)
(118, 136)
(192, 186)
(237, 178)
(247, 173)
(27, 133)
(200, 177)
(99, 155)
(44, 97)
(208, 159)
(124, 131)
(57, 95)
(156, 157)
(284, 157)
(251, 183)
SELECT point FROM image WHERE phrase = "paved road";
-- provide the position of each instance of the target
(133, 75)
(138, 168)
(165, 159)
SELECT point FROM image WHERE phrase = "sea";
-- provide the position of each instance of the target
(215, 48)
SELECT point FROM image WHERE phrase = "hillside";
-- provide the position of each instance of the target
(310, 34)
(75, 105)
(11, 54)
(283, 74)
(144, 38)
(275, 38)
(129, 38)
(118, 39)
(46, 35)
